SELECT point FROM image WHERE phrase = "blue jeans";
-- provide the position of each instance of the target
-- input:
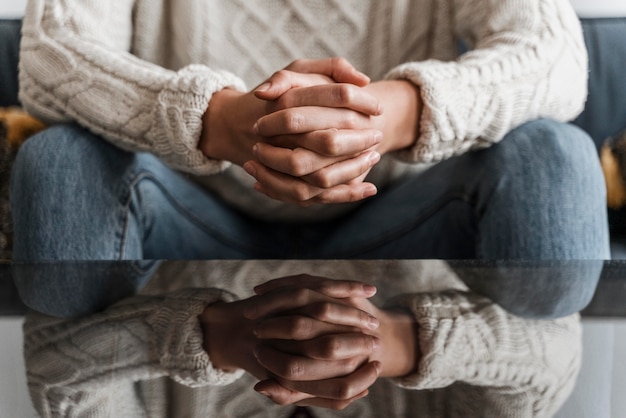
(539, 194)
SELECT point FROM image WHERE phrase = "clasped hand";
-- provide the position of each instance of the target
(308, 135)
(310, 340)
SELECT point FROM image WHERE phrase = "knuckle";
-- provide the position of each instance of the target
(301, 296)
(301, 193)
(299, 163)
(342, 390)
(352, 195)
(353, 363)
(302, 327)
(352, 120)
(293, 121)
(322, 310)
(344, 93)
(327, 198)
(330, 347)
(339, 62)
(283, 102)
(329, 142)
(322, 178)
(281, 75)
(294, 370)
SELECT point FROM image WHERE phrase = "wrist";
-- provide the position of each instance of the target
(399, 350)
(214, 328)
(227, 131)
(402, 109)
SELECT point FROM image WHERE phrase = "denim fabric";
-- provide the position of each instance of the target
(534, 289)
(539, 194)
(72, 289)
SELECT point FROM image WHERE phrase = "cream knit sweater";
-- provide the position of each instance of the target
(144, 356)
(141, 72)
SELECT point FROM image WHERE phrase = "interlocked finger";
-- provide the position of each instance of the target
(299, 120)
(295, 368)
(331, 347)
(330, 95)
(330, 142)
(317, 170)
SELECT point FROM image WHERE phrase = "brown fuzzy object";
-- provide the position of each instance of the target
(613, 159)
(15, 127)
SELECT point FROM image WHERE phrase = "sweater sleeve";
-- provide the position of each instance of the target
(75, 65)
(509, 363)
(527, 60)
(74, 366)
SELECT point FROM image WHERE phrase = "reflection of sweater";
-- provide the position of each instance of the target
(79, 62)
(477, 360)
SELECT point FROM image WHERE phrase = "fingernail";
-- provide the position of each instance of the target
(264, 393)
(255, 128)
(378, 366)
(378, 137)
(373, 323)
(369, 289)
(369, 191)
(255, 149)
(249, 167)
(264, 87)
(374, 157)
(362, 74)
(375, 343)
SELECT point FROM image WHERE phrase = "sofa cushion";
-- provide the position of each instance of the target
(605, 112)
(9, 51)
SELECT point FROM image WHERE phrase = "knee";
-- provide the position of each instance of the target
(565, 148)
(553, 159)
(68, 290)
(61, 158)
(48, 147)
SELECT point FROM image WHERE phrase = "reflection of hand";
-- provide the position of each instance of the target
(319, 140)
(229, 334)
(347, 361)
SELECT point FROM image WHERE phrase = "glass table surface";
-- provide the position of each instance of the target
(194, 338)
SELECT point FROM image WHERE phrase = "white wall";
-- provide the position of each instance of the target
(599, 392)
(14, 399)
(12, 8)
(600, 8)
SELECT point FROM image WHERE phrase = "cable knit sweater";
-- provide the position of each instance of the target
(144, 356)
(141, 72)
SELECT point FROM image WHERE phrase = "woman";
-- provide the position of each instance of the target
(165, 143)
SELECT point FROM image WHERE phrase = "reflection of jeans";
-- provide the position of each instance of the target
(539, 194)
(71, 289)
(535, 289)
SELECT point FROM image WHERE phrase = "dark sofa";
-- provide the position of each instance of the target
(604, 115)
